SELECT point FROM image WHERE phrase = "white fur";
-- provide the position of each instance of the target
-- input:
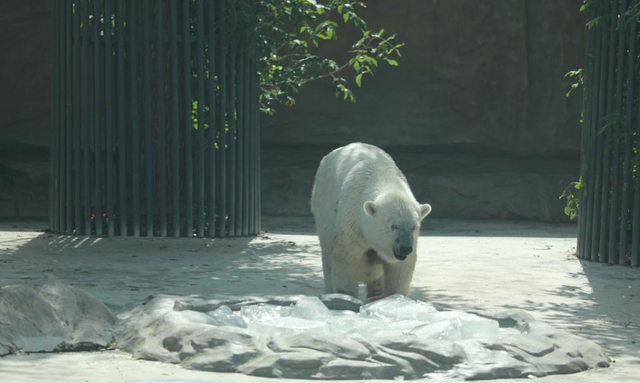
(362, 201)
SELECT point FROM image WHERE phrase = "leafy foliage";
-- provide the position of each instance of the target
(290, 34)
(573, 203)
(579, 76)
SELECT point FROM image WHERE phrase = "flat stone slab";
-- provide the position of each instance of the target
(187, 331)
(52, 316)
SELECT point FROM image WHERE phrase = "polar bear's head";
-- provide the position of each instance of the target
(392, 225)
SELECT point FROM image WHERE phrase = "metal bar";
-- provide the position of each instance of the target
(222, 150)
(53, 116)
(135, 105)
(595, 234)
(148, 133)
(232, 139)
(84, 128)
(108, 94)
(188, 151)
(56, 120)
(77, 208)
(249, 139)
(201, 120)
(257, 154)
(606, 172)
(175, 120)
(592, 129)
(258, 175)
(246, 130)
(240, 142)
(614, 212)
(254, 143)
(63, 117)
(62, 120)
(626, 172)
(162, 139)
(122, 122)
(213, 126)
(70, 81)
(585, 136)
(254, 170)
(98, 114)
(256, 150)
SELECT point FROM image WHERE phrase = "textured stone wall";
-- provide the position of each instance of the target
(475, 115)
(25, 71)
(25, 66)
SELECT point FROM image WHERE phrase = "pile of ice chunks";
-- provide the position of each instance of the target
(392, 316)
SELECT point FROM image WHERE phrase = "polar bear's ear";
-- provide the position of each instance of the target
(370, 208)
(424, 210)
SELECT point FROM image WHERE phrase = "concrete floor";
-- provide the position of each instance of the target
(462, 265)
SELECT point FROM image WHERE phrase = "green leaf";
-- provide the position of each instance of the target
(345, 17)
(372, 61)
(359, 80)
(392, 62)
(356, 66)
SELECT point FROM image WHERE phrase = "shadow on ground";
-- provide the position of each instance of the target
(463, 265)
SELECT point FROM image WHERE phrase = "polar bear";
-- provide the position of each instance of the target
(368, 222)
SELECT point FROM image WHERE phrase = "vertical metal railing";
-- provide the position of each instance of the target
(155, 127)
(610, 198)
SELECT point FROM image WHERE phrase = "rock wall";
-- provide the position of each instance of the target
(25, 65)
(475, 114)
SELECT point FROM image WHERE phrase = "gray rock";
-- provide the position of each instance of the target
(208, 305)
(341, 347)
(52, 315)
(508, 318)
(169, 330)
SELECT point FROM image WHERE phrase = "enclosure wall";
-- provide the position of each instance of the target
(475, 115)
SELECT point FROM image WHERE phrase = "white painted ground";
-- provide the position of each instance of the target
(462, 265)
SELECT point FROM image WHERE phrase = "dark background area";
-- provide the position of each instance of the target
(475, 115)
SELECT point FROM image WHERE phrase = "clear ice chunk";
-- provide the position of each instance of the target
(367, 328)
(390, 317)
(263, 312)
(397, 307)
(225, 317)
(310, 308)
(479, 328)
(285, 326)
(344, 313)
(448, 329)
(473, 326)
(458, 325)
(197, 317)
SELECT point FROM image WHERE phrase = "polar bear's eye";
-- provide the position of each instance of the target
(394, 227)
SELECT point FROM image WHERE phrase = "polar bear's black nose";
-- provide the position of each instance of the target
(403, 252)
